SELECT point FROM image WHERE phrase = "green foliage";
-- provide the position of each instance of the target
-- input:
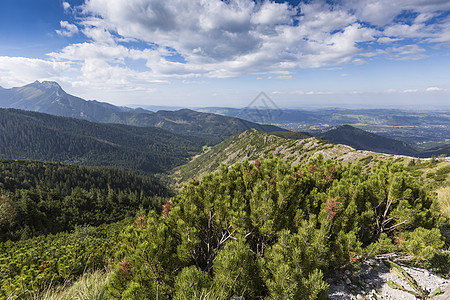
(440, 175)
(148, 260)
(236, 272)
(269, 229)
(293, 265)
(440, 263)
(37, 263)
(192, 283)
(423, 243)
(40, 198)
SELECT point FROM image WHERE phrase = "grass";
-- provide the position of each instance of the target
(90, 286)
(444, 200)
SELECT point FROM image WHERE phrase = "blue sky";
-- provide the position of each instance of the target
(374, 53)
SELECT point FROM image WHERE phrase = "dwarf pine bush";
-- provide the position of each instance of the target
(268, 229)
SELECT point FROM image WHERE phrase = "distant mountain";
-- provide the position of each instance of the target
(336, 116)
(363, 140)
(214, 128)
(417, 128)
(37, 136)
(436, 151)
(49, 97)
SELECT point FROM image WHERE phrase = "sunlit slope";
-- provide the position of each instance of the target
(252, 144)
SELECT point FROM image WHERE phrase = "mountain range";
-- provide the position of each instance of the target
(49, 97)
(205, 128)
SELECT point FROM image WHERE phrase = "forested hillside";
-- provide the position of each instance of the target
(42, 198)
(273, 221)
(36, 136)
(213, 128)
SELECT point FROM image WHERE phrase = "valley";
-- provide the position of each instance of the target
(421, 129)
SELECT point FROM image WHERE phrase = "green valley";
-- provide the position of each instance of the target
(37, 136)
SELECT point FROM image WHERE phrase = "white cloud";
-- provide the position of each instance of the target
(227, 39)
(387, 40)
(383, 12)
(407, 52)
(283, 77)
(299, 92)
(66, 5)
(272, 13)
(181, 39)
(16, 71)
(67, 29)
(409, 91)
(238, 37)
(319, 93)
(434, 89)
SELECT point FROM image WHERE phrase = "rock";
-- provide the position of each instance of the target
(445, 295)
(375, 279)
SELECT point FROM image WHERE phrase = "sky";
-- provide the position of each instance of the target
(197, 53)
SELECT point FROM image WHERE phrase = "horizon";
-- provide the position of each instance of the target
(274, 106)
(142, 53)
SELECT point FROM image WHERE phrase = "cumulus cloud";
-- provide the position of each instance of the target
(225, 39)
(66, 5)
(406, 52)
(190, 39)
(383, 12)
(67, 29)
(15, 71)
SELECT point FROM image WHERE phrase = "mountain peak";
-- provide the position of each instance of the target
(46, 85)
